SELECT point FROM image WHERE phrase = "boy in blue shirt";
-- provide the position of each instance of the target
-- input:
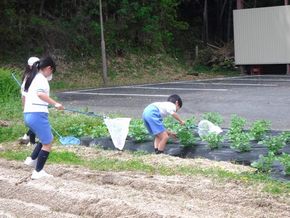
(153, 119)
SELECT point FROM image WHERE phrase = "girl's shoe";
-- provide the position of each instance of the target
(40, 174)
(24, 139)
(30, 162)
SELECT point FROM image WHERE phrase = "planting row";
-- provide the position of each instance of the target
(236, 137)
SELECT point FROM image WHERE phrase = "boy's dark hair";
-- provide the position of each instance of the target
(38, 65)
(173, 98)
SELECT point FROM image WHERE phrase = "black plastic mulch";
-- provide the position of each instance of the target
(199, 149)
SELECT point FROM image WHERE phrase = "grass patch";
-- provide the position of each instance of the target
(105, 164)
(12, 132)
(65, 157)
(14, 155)
(135, 164)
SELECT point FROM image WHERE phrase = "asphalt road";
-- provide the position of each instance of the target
(252, 97)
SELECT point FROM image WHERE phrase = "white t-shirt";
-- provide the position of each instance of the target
(165, 108)
(32, 102)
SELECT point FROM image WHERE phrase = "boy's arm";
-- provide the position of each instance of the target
(176, 116)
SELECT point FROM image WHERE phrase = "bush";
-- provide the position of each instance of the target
(8, 87)
(205, 57)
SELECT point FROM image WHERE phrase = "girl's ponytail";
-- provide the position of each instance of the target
(30, 77)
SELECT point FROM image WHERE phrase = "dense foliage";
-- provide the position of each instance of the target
(8, 88)
(63, 27)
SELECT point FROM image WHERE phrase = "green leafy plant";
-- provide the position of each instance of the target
(213, 117)
(186, 136)
(286, 136)
(259, 129)
(214, 140)
(78, 125)
(241, 142)
(237, 123)
(184, 133)
(285, 160)
(264, 163)
(171, 124)
(274, 144)
(191, 123)
(138, 131)
(236, 127)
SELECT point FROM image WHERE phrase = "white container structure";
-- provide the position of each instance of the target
(262, 38)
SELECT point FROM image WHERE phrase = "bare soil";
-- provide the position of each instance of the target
(79, 192)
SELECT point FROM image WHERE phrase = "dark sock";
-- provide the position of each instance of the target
(28, 132)
(32, 138)
(159, 152)
(36, 151)
(41, 159)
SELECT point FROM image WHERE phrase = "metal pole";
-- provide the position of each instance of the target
(240, 5)
(288, 65)
(103, 46)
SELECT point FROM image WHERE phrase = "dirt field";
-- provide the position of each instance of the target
(78, 192)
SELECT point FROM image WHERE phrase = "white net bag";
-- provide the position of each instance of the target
(118, 129)
(205, 127)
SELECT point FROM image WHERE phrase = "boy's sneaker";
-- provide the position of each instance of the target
(30, 162)
(40, 174)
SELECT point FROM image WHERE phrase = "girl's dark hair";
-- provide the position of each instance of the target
(173, 98)
(27, 71)
(38, 65)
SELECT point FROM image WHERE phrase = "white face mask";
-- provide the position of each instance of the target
(49, 77)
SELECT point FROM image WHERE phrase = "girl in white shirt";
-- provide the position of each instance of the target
(36, 113)
(29, 135)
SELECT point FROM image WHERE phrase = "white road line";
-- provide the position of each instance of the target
(184, 81)
(233, 84)
(263, 79)
(224, 84)
(150, 88)
(180, 89)
(113, 94)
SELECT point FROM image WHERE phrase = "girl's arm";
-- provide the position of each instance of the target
(44, 97)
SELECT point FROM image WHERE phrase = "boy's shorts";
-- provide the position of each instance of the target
(39, 124)
(153, 120)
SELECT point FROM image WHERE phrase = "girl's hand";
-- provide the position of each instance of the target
(59, 106)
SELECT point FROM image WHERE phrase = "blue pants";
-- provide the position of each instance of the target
(39, 124)
(153, 120)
